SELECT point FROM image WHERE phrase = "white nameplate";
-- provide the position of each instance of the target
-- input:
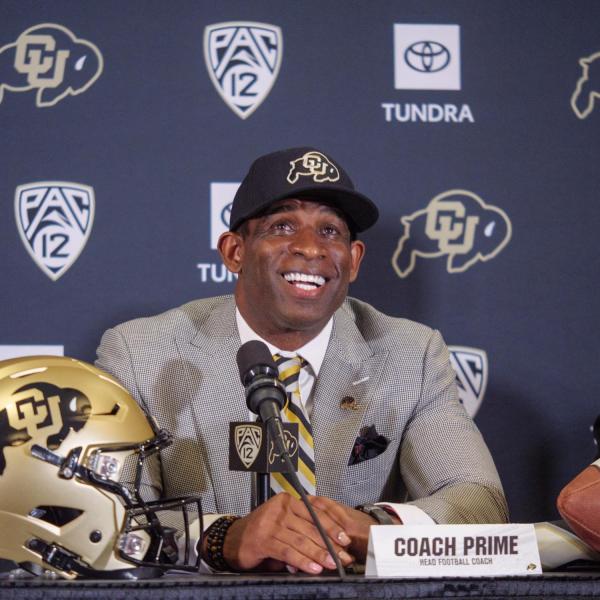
(452, 550)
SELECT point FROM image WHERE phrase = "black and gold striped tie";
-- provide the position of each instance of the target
(293, 412)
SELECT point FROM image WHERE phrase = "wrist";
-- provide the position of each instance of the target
(213, 546)
(381, 516)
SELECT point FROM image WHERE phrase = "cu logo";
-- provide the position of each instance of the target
(315, 166)
(456, 224)
(32, 411)
(427, 57)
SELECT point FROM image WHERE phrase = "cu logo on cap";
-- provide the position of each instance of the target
(427, 57)
(315, 166)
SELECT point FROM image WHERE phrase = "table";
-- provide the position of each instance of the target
(288, 587)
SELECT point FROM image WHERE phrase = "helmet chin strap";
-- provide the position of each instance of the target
(67, 467)
(62, 560)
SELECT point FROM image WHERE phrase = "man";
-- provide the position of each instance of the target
(378, 391)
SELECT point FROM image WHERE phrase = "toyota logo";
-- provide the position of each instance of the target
(427, 56)
(226, 214)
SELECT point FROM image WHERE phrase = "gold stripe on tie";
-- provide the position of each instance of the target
(293, 412)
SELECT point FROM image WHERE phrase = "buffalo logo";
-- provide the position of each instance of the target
(313, 164)
(427, 57)
(471, 367)
(50, 59)
(243, 60)
(291, 445)
(54, 219)
(248, 439)
(41, 412)
(588, 86)
(457, 224)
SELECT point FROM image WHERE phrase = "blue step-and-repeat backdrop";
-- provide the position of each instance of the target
(125, 128)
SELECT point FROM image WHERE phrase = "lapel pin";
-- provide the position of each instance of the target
(348, 403)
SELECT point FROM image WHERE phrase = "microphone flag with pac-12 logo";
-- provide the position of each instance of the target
(253, 449)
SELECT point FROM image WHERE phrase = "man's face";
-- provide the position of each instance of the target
(294, 265)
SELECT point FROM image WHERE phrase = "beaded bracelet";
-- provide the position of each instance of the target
(215, 540)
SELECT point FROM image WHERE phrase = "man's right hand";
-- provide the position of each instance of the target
(280, 532)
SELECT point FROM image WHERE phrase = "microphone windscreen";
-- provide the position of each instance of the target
(251, 355)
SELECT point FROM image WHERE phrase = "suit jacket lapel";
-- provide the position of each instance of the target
(218, 398)
(349, 371)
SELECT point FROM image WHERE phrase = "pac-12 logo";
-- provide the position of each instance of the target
(248, 439)
(471, 367)
(457, 224)
(49, 58)
(41, 412)
(243, 60)
(54, 219)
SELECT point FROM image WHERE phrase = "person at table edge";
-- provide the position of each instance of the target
(379, 391)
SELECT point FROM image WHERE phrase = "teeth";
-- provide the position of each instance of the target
(305, 278)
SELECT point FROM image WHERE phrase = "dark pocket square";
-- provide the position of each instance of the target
(368, 444)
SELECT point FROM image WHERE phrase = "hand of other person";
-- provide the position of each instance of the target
(280, 532)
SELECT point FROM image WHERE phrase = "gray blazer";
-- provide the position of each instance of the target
(181, 366)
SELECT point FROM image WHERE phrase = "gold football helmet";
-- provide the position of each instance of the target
(75, 498)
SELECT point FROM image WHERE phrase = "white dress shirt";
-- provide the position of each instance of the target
(313, 353)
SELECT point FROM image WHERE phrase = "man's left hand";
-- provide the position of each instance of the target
(354, 522)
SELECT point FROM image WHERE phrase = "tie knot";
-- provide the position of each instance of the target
(287, 362)
(289, 366)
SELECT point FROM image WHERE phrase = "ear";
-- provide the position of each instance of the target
(231, 249)
(357, 252)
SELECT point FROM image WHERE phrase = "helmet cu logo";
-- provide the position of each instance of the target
(41, 410)
(49, 58)
(243, 60)
(54, 219)
(315, 165)
(457, 224)
(588, 86)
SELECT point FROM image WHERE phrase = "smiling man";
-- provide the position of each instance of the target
(383, 437)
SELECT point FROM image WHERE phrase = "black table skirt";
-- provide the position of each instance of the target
(287, 587)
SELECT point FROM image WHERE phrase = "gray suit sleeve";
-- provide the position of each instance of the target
(114, 357)
(445, 464)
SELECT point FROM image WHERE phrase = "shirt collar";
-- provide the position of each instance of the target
(313, 352)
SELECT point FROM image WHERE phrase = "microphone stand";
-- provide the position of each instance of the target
(277, 433)
(263, 485)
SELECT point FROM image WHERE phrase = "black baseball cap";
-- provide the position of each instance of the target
(302, 172)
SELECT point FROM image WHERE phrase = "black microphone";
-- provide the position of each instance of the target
(265, 394)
